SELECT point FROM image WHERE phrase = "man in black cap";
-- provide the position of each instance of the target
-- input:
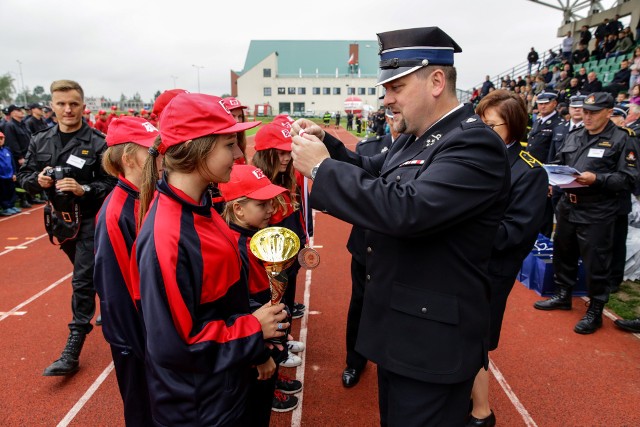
(35, 122)
(540, 141)
(606, 157)
(430, 206)
(16, 133)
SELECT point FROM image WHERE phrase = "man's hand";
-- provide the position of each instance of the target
(70, 185)
(586, 178)
(309, 127)
(43, 180)
(307, 151)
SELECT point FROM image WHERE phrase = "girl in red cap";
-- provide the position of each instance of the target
(237, 111)
(128, 141)
(201, 338)
(248, 196)
(273, 156)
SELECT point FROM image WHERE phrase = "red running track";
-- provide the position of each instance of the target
(549, 376)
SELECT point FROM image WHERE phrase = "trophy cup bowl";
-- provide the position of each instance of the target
(276, 247)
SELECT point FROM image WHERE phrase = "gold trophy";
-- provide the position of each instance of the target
(276, 247)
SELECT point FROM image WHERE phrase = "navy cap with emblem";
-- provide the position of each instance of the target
(598, 101)
(546, 97)
(404, 51)
(576, 101)
(619, 112)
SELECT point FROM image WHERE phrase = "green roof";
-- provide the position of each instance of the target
(309, 55)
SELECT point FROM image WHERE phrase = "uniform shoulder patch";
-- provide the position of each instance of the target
(99, 133)
(531, 161)
(630, 131)
(472, 122)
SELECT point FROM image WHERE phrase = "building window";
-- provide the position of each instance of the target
(291, 90)
(302, 91)
(372, 91)
(267, 91)
(266, 72)
(326, 91)
(284, 108)
(316, 91)
(336, 91)
(351, 91)
(298, 109)
(361, 91)
(281, 91)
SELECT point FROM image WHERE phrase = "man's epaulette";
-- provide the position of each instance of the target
(375, 138)
(530, 160)
(630, 131)
(99, 133)
(472, 122)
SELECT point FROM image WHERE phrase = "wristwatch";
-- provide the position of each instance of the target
(86, 188)
(314, 171)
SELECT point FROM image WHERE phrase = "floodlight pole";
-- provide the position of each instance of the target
(198, 67)
(24, 94)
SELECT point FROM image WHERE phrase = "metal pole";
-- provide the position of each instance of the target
(198, 67)
(24, 94)
(174, 81)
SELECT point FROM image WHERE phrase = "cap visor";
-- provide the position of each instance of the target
(394, 73)
(238, 127)
(592, 107)
(267, 193)
(147, 142)
(284, 146)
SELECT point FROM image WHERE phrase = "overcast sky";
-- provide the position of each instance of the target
(115, 46)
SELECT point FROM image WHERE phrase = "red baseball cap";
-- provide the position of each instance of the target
(87, 111)
(192, 115)
(113, 107)
(102, 112)
(273, 135)
(131, 129)
(251, 182)
(232, 103)
(163, 99)
(131, 110)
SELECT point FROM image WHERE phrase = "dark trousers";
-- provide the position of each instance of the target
(358, 272)
(260, 400)
(7, 193)
(619, 258)
(592, 242)
(132, 383)
(80, 253)
(547, 223)
(411, 403)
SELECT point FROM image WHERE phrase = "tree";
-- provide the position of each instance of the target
(157, 94)
(6, 88)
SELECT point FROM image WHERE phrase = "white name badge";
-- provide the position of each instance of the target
(596, 152)
(79, 163)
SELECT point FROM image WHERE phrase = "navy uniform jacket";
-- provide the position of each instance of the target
(518, 229)
(114, 237)
(88, 145)
(612, 156)
(431, 207)
(367, 147)
(540, 137)
(560, 133)
(201, 340)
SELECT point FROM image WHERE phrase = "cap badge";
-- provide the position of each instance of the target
(258, 173)
(224, 107)
(149, 127)
(590, 100)
(286, 133)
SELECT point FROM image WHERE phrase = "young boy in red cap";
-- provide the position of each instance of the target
(249, 198)
(128, 142)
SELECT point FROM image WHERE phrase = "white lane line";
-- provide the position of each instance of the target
(86, 396)
(21, 245)
(511, 395)
(22, 213)
(33, 298)
(15, 313)
(296, 416)
(612, 316)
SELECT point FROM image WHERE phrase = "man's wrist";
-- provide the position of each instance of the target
(314, 170)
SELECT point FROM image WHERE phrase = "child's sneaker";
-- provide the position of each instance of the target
(296, 314)
(287, 385)
(291, 361)
(283, 402)
(299, 306)
(295, 346)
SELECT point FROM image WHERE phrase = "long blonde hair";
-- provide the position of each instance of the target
(112, 157)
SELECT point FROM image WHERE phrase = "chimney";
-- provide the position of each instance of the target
(353, 51)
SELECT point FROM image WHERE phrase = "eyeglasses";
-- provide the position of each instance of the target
(494, 126)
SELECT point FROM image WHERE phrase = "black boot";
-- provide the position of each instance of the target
(560, 301)
(68, 362)
(592, 321)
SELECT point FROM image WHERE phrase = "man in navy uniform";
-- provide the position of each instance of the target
(565, 127)
(431, 207)
(368, 147)
(606, 156)
(540, 140)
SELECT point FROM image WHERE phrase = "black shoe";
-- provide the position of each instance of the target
(632, 325)
(296, 314)
(614, 289)
(299, 306)
(99, 320)
(69, 359)
(592, 320)
(38, 201)
(490, 421)
(288, 385)
(25, 204)
(350, 377)
(560, 301)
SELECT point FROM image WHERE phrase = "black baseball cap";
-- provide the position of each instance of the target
(598, 101)
(33, 105)
(14, 107)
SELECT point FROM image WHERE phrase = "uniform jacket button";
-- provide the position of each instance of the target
(424, 310)
(398, 178)
(369, 250)
(368, 277)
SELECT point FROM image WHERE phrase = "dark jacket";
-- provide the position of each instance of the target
(612, 156)
(16, 138)
(88, 145)
(532, 57)
(588, 88)
(431, 207)
(35, 125)
(541, 136)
